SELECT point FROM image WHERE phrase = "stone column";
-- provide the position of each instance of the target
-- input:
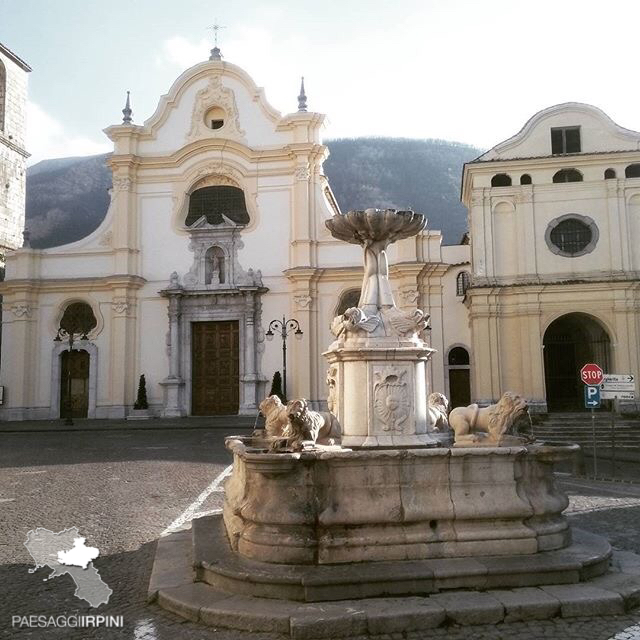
(249, 405)
(173, 384)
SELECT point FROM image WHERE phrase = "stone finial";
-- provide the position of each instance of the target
(215, 54)
(26, 239)
(302, 98)
(126, 112)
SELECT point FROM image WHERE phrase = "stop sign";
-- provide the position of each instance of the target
(591, 374)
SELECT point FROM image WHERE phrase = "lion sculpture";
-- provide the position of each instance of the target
(276, 417)
(496, 425)
(438, 411)
(306, 426)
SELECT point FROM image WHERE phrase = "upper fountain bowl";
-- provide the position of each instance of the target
(374, 225)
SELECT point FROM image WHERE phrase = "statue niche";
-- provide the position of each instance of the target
(214, 266)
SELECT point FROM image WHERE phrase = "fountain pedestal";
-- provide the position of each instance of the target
(379, 390)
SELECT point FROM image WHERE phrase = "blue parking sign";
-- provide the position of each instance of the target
(591, 397)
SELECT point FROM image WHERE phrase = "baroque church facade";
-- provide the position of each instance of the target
(216, 227)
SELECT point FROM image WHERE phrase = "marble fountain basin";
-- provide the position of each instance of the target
(343, 506)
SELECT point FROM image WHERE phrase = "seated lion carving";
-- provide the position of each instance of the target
(438, 411)
(497, 424)
(275, 413)
(317, 427)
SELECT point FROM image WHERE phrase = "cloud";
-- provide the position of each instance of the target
(180, 52)
(47, 138)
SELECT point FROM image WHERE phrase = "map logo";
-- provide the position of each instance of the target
(65, 552)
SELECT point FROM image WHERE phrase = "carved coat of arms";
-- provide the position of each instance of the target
(391, 398)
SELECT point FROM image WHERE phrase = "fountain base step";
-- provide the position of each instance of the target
(217, 565)
(174, 588)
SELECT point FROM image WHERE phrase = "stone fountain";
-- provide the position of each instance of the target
(391, 509)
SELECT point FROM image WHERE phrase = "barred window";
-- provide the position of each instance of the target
(567, 175)
(463, 280)
(501, 180)
(632, 171)
(571, 236)
(78, 319)
(348, 299)
(214, 202)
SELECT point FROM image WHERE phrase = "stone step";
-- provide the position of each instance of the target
(610, 594)
(225, 570)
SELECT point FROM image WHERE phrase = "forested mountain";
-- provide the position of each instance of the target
(67, 198)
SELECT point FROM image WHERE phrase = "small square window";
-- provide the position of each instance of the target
(217, 124)
(565, 140)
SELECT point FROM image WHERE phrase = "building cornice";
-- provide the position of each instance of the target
(54, 285)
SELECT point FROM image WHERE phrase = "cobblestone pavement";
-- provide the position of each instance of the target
(123, 488)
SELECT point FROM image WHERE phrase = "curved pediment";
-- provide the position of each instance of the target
(215, 101)
(598, 133)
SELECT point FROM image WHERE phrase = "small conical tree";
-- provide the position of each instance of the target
(276, 386)
(141, 400)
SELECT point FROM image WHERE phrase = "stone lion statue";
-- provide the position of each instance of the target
(275, 414)
(439, 411)
(495, 425)
(310, 426)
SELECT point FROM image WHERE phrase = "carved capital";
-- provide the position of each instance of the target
(120, 307)
(21, 310)
(303, 173)
(121, 183)
(409, 296)
(302, 301)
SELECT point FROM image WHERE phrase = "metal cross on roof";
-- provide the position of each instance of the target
(215, 27)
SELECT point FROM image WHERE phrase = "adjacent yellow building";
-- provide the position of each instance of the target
(554, 217)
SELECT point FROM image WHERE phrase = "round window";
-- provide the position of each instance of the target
(572, 235)
(214, 118)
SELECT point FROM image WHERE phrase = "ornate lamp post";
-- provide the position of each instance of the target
(284, 328)
(77, 321)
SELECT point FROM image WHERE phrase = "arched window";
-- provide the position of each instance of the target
(3, 94)
(458, 356)
(501, 180)
(214, 266)
(567, 175)
(77, 320)
(632, 171)
(347, 300)
(609, 174)
(214, 202)
(463, 280)
(525, 178)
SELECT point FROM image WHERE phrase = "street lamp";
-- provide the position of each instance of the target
(284, 328)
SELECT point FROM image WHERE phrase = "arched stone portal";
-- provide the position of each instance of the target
(570, 342)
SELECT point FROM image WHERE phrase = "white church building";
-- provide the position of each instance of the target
(216, 227)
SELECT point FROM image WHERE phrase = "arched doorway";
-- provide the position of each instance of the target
(570, 342)
(458, 370)
(74, 383)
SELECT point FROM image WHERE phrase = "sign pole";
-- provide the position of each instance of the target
(593, 430)
(613, 439)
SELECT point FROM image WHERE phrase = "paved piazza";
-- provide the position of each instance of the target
(123, 488)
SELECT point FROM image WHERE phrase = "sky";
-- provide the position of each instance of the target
(463, 70)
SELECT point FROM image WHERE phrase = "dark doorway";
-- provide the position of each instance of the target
(459, 378)
(570, 342)
(215, 368)
(74, 377)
